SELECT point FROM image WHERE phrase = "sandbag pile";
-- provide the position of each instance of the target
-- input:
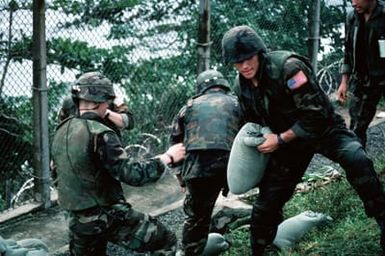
(25, 247)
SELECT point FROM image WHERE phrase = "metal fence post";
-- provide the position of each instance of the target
(314, 38)
(40, 107)
(204, 36)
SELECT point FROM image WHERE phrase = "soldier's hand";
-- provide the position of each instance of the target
(175, 153)
(123, 108)
(342, 93)
(270, 144)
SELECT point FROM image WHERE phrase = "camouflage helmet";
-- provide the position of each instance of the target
(210, 78)
(241, 43)
(92, 86)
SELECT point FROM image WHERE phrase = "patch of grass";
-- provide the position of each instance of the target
(381, 104)
(350, 233)
(2, 201)
(379, 165)
(240, 242)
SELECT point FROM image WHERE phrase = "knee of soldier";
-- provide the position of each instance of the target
(354, 156)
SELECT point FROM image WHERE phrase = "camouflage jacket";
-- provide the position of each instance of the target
(355, 58)
(91, 162)
(282, 102)
(207, 125)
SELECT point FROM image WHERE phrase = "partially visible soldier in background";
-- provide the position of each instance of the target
(207, 126)
(279, 89)
(117, 116)
(363, 69)
(91, 164)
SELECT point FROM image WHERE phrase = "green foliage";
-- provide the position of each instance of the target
(2, 202)
(93, 13)
(240, 242)
(16, 141)
(381, 104)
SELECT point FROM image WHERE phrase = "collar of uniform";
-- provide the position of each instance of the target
(379, 9)
(91, 116)
(214, 90)
(246, 86)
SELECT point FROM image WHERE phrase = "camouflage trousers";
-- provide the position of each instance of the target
(199, 203)
(90, 230)
(285, 170)
(363, 104)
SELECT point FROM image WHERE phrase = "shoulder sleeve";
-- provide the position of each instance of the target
(346, 64)
(177, 127)
(312, 104)
(127, 116)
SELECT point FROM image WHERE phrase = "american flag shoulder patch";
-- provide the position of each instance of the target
(297, 80)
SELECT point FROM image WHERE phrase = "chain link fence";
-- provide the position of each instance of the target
(149, 48)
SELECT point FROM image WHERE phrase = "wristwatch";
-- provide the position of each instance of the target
(280, 140)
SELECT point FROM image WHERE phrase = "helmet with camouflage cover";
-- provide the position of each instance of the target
(92, 86)
(210, 78)
(240, 43)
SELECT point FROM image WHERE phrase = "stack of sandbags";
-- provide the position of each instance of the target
(25, 247)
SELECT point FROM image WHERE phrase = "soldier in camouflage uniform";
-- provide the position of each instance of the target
(206, 125)
(363, 67)
(91, 163)
(117, 117)
(279, 90)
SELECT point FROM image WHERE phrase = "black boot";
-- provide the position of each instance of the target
(257, 251)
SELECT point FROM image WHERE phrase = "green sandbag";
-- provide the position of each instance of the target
(3, 245)
(246, 164)
(294, 228)
(16, 252)
(215, 245)
(25, 247)
(40, 252)
(33, 244)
